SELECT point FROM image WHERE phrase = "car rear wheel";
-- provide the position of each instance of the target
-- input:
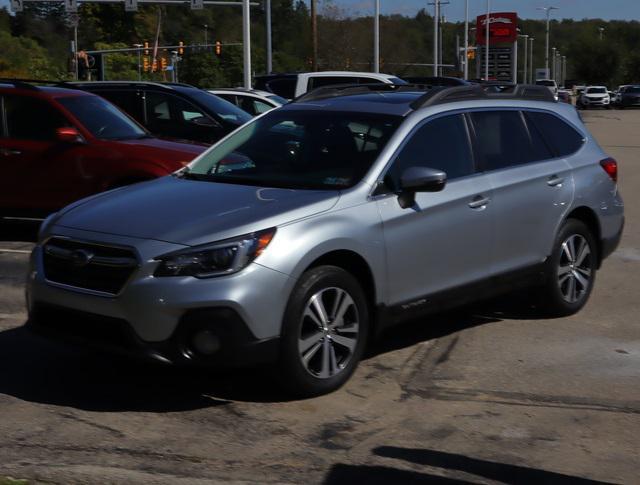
(324, 332)
(570, 270)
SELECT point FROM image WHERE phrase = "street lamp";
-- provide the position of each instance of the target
(139, 46)
(601, 29)
(486, 47)
(530, 47)
(546, 54)
(553, 63)
(376, 38)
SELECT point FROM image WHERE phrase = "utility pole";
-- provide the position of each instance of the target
(246, 42)
(314, 35)
(531, 74)
(553, 63)
(440, 43)
(267, 16)
(546, 54)
(525, 79)
(564, 70)
(139, 46)
(436, 21)
(601, 29)
(486, 47)
(376, 37)
(466, 39)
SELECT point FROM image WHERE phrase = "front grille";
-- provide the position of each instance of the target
(88, 266)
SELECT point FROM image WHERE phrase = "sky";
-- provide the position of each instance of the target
(575, 9)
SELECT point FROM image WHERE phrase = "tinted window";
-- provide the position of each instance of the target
(320, 81)
(32, 119)
(102, 118)
(299, 150)
(285, 87)
(503, 140)
(632, 89)
(127, 100)
(441, 144)
(560, 136)
(218, 107)
(254, 106)
(162, 108)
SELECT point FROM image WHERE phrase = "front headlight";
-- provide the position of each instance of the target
(216, 259)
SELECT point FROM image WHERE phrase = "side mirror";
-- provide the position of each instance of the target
(69, 134)
(419, 179)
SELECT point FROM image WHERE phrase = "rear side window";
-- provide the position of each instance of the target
(285, 87)
(32, 119)
(321, 81)
(441, 144)
(127, 100)
(503, 140)
(559, 135)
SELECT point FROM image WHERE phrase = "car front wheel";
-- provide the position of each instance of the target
(324, 331)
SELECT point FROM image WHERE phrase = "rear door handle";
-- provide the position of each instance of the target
(554, 181)
(479, 201)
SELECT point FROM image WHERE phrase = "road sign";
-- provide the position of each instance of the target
(131, 5)
(197, 4)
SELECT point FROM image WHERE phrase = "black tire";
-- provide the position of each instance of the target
(555, 296)
(299, 379)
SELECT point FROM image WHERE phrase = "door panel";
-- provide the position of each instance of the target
(444, 240)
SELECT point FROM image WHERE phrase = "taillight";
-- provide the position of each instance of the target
(611, 167)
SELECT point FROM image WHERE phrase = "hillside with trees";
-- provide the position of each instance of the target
(36, 42)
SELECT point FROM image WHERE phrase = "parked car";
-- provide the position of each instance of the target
(551, 84)
(436, 80)
(628, 96)
(320, 223)
(291, 86)
(58, 145)
(564, 96)
(253, 101)
(173, 111)
(594, 96)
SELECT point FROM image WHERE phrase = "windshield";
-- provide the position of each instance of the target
(632, 89)
(596, 90)
(299, 150)
(102, 118)
(220, 107)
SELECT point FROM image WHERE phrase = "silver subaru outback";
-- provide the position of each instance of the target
(307, 231)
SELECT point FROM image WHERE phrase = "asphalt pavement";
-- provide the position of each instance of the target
(488, 394)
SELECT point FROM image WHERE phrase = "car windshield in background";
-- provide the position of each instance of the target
(397, 80)
(102, 119)
(597, 91)
(632, 89)
(299, 150)
(223, 108)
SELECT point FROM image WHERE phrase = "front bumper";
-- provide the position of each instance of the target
(155, 315)
(595, 102)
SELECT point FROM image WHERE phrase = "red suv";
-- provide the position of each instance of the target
(58, 145)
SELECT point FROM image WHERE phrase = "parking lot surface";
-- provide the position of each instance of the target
(488, 394)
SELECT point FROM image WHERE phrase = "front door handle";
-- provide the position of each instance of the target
(479, 202)
(554, 181)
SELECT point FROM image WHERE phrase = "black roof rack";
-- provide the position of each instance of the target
(338, 90)
(436, 94)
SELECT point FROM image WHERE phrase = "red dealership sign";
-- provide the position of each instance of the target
(503, 28)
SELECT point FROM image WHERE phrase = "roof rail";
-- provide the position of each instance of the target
(81, 84)
(479, 91)
(337, 90)
(26, 83)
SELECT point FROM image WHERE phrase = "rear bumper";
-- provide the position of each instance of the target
(609, 245)
(237, 345)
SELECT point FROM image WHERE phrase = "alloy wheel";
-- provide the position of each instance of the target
(329, 332)
(575, 268)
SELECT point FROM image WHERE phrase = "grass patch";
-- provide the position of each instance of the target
(13, 481)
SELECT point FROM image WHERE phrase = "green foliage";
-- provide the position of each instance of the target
(23, 57)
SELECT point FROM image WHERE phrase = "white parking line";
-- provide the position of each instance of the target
(17, 251)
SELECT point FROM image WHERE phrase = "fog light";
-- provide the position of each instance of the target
(205, 342)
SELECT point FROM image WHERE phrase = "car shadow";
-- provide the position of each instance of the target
(36, 369)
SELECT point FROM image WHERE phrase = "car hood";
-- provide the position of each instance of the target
(192, 212)
(157, 146)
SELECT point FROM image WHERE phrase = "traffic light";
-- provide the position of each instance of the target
(145, 63)
(471, 54)
(180, 48)
(218, 49)
(146, 48)
(163, 63)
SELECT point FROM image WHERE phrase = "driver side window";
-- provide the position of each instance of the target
(441, 144)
